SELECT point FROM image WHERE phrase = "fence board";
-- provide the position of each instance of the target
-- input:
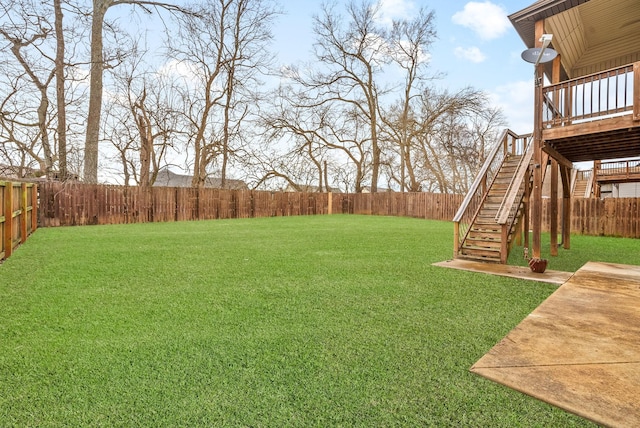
(18, 210)
(602, 217)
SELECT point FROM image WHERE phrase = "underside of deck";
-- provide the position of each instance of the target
(612, 138)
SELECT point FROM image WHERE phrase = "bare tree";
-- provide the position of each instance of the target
(224, 49)
(409, 42)
(98, 64)
(449, 138)
(325, 134)
(23, 32)
(352, 55)
(142, 121)
(34, 52)
(60, 89)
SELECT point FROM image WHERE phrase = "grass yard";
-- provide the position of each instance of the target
(301, 321)
(584, 249)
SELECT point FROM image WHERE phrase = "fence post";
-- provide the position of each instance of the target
(8, 219)
(23, 214)
(34, 207)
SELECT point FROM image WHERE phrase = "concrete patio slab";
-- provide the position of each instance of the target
(580, 349)
(550, 276)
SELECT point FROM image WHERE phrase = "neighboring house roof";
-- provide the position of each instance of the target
(166, 178)
(308, 189)
(367, 189)
(10, 172)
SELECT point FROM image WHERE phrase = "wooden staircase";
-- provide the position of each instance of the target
(484, 241)
(487, 221)
(580, 188)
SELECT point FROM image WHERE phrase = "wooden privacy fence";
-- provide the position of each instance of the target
(432, 206)
(18, 217)
(69, 204)
(600, 217)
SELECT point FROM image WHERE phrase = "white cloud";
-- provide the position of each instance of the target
(179, 69)
(472, 54)
(488, 20)
(516, 101)
(395, 9)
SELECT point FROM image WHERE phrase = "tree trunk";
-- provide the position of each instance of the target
(95, 92)
(60, 96)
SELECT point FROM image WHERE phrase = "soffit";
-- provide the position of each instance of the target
(590, 35)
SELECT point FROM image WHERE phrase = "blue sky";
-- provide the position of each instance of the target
(476, 46)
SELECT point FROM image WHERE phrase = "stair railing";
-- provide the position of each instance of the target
(574, 180)
(507, 213)
(588, 191)
(508, 144)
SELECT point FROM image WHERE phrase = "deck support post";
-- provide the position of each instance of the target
(565, 176)
(504, 245)
(555, 78)
(536, 212)
(554, 208)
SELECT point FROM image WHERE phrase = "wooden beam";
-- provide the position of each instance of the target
(526, 206)
(557, 156)
(602, 125)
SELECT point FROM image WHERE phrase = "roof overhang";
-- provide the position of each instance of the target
(590, 35)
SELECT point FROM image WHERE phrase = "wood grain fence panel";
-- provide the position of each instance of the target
(18, 215)
(79, 204)
(244, 203)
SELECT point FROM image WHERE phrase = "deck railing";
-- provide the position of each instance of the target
(508, 144)
(623, 169)
(606, 94)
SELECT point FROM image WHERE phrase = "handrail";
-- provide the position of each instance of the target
(623, 167)
(481, 175)
(606, 93)
(514, 185)
(574, 180)
(508, 144)
(589, 189)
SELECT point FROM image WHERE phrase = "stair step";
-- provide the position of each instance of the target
(470, 250)
(484, 235)
(483, 243)
(484, 240)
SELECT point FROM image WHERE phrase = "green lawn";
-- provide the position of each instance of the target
(300, 321)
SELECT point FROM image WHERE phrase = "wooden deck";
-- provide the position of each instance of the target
(617, 137)
(580, 349)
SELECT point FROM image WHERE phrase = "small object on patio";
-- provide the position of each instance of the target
(538, 265)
